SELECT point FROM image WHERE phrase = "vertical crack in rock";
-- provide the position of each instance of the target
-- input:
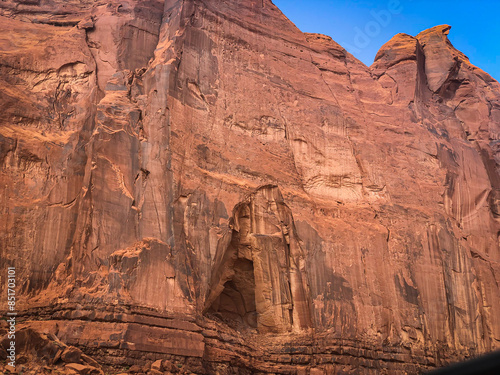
(259, 278)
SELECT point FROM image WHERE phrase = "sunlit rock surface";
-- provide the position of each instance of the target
(200, 183)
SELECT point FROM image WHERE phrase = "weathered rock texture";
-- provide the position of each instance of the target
(199, 181)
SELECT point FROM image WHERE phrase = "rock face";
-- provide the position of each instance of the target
(259, 270)
(200, 182)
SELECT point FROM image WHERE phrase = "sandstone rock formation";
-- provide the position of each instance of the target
(199, 182)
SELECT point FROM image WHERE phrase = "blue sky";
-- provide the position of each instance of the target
(475, 24)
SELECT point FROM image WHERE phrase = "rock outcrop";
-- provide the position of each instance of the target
(199, 186)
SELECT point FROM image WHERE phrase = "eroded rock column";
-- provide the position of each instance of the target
(259, 278)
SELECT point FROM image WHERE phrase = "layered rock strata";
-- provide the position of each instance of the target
(200, 182)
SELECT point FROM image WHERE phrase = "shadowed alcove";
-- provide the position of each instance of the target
(236, 304)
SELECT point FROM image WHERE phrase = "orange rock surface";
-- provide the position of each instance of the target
(199, 187)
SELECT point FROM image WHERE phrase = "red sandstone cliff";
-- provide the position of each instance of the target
(199, 181)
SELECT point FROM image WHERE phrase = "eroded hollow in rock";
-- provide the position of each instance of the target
(258, 276)
(236, 304)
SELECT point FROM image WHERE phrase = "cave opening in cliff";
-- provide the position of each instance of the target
(236, 304)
